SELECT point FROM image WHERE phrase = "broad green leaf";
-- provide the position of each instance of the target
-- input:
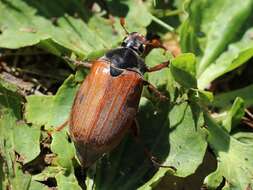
(223, 28)
(10, 99)
(56, 28)
(10, 114)
(234, 115)
(162, 78)
(244, 137)
(186, 62)
(210, 28)
(187, 144)
(7, 123)
(63, 149)
(205, 96)
(51, 110)
(237, 54)
(190, 27)
(24, 181)
(214, 179)
(142, 18)
(233, 156)
(24, 27)
(66, 182)
(34, 185)
(200, 96)
(226, 99)
(183, 70)
(27, 142)
(48, 172)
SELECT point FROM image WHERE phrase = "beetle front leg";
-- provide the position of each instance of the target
(153, 159)
(58, 128)
(152, 89)
(84, 64)
(158, 67)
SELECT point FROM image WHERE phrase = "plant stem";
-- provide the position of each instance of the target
(160, 22)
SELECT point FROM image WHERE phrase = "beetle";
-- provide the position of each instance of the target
(106, 103)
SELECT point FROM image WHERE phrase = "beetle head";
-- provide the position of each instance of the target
(136, 42)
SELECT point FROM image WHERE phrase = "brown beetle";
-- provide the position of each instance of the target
(107, 101)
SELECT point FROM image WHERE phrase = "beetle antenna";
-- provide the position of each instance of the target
(123, 24)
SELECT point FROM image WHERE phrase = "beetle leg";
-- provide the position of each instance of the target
(59, 128)
(78, 63)
(153, 159)
(158, 67)
(155, 43)
(152, 44)
(157, 93)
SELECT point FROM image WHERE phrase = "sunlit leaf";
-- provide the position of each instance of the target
(27, 147)
(223, 28)
(27, 142)
(234, 115)
(233, 156)
(51, 110)
(237, 54)
(183, 70)
(225, 100)
(63, 149)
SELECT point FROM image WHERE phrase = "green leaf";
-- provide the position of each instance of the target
(64, 149)
(222, 28)
(66, 182)
(34, 185)
(225, 100)
(24, 181)
(56, 29)
(183, 70)
(205, 96)
(159, 78)
(234, 158)
(10, 99)
(214, 179)
(201, 96)
(237, 54)
(189, 28)
(64, 36)
(10, 114)
(48, 172)
(162, 79)
(244, 137)
(187, 144)
(210, 28)
(51, 110)
(234, 115)
(27, 142)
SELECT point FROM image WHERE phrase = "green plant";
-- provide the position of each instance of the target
(216, 37)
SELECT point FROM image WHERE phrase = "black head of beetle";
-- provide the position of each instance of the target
(136, 42)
